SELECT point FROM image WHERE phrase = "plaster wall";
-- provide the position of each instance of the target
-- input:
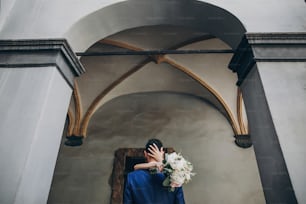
(33, 106)
(184, 122)
(5, 9)
(284, 85)
(83, 23)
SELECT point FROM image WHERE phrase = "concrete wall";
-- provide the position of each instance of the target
(284, 86)
(225, 172)
(83, 23)
(5, 9)
(30, 130)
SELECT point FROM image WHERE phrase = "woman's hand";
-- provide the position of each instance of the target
(155, 153)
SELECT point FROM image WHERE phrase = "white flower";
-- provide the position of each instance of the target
(177, 169)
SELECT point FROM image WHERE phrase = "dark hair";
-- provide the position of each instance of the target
(158, 143)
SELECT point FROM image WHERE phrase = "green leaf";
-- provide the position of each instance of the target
(171, 189)
(166, 182)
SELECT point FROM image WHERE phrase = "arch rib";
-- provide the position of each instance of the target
(70, 122)
(240, 112)
(96, 101)
(78, 108)
(210, 89)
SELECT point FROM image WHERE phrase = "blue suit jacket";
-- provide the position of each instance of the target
(141, 187)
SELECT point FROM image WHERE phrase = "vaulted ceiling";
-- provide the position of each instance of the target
(202, 75)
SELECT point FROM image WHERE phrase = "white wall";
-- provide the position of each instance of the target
(79, 19)
(284, 85)
(5, 9)
(33, 106)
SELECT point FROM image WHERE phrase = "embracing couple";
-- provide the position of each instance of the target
(143, 187)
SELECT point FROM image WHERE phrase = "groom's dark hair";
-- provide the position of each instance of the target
(158, 143)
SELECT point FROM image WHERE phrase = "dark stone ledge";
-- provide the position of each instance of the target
(243, 141)
(41, 53)
(74, 140)
(267, 47)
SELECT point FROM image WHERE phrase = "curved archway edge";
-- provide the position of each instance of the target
(138, 13)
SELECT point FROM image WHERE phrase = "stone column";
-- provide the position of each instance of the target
(271, 69)
(36, 81)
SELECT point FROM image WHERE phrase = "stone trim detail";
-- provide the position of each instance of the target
(41, 53)
(242, 61)
(243, 140)
(74, 140)
(267, 47)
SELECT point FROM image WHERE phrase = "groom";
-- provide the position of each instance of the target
(145, 188)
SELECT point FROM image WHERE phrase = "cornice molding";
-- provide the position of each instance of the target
(242, 61)
(267, 47)
(41, 53)
(276, 38)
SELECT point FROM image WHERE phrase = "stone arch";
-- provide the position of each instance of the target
(136, 13)
(96, 102)
(228, 110)
(202, 16)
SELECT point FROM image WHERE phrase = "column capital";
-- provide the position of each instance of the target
(31, 53)
(267, 47)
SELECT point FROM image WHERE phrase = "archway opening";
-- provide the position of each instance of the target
(175, 98)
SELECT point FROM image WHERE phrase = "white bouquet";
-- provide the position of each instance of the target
(177, 169)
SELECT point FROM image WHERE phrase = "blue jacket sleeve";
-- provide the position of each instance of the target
(127, 194)
(179, 196)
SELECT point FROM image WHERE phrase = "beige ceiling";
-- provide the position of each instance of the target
(202, 75)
